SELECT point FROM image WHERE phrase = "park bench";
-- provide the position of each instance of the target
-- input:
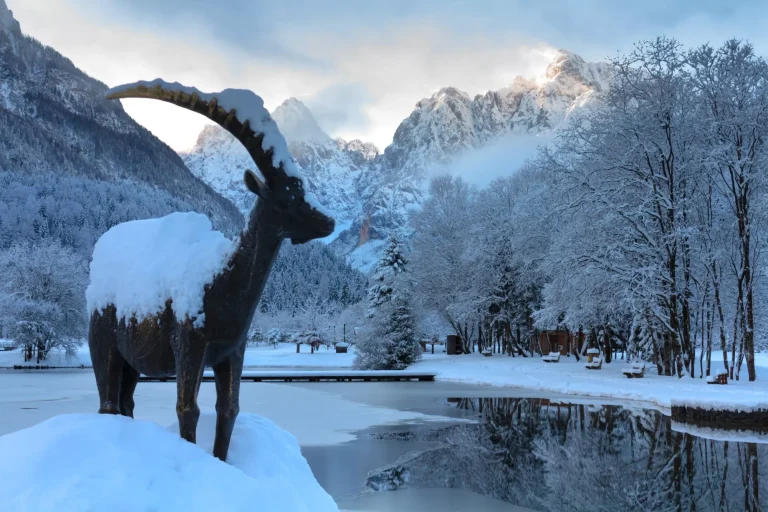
(487, 352)
(595, 364)
(635, 371)
(552, 357)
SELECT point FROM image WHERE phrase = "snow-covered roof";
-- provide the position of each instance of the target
(139, 265)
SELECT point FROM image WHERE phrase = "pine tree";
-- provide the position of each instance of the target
(391, 343)
(400, 334)
(391, 265)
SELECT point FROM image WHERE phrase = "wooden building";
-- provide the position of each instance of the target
(557, 341)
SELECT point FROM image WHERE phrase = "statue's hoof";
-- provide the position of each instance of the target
(109, 408)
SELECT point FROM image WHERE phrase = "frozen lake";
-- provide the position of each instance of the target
(452, 446)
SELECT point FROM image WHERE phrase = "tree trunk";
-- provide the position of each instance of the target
(607, 346)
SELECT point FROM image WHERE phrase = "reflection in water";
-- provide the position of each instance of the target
(558, 456)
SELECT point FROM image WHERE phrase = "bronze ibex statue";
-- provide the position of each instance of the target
(163, 345)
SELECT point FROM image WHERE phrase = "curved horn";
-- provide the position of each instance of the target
(253, 126)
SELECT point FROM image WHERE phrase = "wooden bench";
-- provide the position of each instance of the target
(487, 352)
(595, 364)
(636, 371)
(552, 357)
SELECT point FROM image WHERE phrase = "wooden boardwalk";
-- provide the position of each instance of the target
(316, 376)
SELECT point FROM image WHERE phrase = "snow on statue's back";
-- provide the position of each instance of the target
(137, 266)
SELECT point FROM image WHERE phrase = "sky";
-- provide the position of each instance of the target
(359, 65)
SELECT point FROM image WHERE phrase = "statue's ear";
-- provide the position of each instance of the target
(255, 185)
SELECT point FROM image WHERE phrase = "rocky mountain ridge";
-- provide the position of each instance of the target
(370, 192)
(54, 119)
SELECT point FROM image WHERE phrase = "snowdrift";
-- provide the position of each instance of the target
(91, 462)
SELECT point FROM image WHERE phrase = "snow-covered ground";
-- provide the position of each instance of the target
(9, 358)
(571, 378)
(90, 462)
(284, 355)
(566, 377)
(263, 355)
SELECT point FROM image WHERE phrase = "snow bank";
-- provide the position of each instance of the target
(739, 436)
(571, 378)
(139, 265)
(100, 462)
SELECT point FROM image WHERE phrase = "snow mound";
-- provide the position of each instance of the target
(101, 462)
(139, 265)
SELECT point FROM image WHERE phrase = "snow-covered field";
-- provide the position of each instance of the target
(282, 356)
(571, 378)
(566, 377)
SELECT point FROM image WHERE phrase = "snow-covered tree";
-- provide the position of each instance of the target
(732, 87)
(444, 254)
(43, 306)
(273, 336)
(392, 343)
(390, 340)
(389, 267)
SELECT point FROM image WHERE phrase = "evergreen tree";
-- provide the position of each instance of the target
(391, 265)
(391, 343)
(400, 333)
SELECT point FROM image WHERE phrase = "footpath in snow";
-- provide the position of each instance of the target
(97, 462)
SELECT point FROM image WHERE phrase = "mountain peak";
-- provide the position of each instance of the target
(450, 92)
(297, 123)
(7, 21)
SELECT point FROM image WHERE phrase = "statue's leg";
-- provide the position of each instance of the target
(227, 374)
(190, 351)
(106, 360)
(130, 380)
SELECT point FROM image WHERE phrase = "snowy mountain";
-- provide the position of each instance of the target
(331, 167)
(372, 193)
(54, 119)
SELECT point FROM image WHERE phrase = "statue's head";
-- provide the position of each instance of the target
(298, 216)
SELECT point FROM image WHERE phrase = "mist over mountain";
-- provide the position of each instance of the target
(371, 192)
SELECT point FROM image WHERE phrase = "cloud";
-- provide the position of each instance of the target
(361, 66)
(340, 108)
(501, 158)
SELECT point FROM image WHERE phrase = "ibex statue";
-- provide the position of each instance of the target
(163, 345)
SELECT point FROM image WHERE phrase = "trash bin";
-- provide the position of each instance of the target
(452, 347)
